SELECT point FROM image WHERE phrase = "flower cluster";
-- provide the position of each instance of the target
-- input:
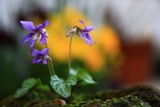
(36, 33)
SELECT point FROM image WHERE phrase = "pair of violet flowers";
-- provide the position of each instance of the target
(36, 33)
(39, 32)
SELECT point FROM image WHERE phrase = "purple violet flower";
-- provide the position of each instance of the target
(83, 33)
(39, 56)
(35, 32)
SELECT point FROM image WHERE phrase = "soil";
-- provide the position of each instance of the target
(136, 96)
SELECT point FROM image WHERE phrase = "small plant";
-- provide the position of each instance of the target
(30, 84)
(75, 77)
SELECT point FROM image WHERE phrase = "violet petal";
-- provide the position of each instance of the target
(27, 38)
(34, 52)
(46, 22)
(89, 37)
(88, 28)
(88, 42)
(28, 25)
(41, 26)
(44, 61)
(82, 35)
(39, 60)
(32, 43)
(34, 60)
(44, 51)
(43, 38)
(81, 22)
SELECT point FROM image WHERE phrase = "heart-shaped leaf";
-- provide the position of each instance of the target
(63, 87)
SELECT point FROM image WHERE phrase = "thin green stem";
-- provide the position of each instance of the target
(50, 72)
(50, 65)
(69, 61)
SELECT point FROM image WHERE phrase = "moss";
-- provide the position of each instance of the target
(148, 94)
(139, 96)
(41, 103)
(127, 101)
(13, 102)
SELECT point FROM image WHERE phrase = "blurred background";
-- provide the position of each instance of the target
(127, 39)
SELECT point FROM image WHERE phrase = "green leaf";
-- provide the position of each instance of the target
(21, 91)
(26, 86)
(83, 74)
(30, 82)
(63, 87)
(71, 80)
(43, 87)
(73, 72)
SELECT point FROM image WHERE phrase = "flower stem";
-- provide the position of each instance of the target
(50, 65)
(69, 61)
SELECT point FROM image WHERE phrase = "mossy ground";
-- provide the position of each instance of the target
(137, 96)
